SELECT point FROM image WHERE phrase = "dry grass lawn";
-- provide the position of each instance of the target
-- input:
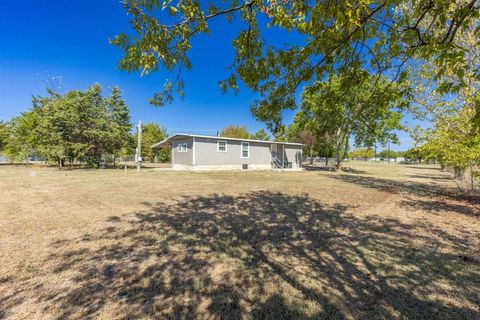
(380, 242)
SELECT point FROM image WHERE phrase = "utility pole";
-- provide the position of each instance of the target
(388, 156)
(138, 153)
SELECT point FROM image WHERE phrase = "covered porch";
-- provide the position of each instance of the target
(278, 156)
(283, 157)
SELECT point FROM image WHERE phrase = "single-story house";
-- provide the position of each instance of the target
(191, 151)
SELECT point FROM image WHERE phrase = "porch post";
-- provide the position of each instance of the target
(271, 158)
(193, 151)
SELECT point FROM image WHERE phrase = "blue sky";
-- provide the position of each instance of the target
(46, 38)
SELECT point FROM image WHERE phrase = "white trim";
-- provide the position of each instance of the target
(221, 138)
(241, 149)
(182, 147)
(193, 151)
(218, 146)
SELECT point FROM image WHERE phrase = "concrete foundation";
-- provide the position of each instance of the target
(224, 167)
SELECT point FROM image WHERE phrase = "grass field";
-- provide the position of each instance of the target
(380, 242)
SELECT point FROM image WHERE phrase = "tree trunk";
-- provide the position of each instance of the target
(472, 179)
(338, 160)
(341, 155)
(337, 156)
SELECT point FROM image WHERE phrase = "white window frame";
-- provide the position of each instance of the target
(241, 149)
(182, 147)
(218, 145)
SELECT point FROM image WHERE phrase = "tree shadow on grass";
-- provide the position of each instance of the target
(353, 170)
(431, 176)
(440, 206)
(262, 255)
(309, 167)
(426, 167)
(416, 188)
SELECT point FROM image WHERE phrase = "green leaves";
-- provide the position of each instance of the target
(453, 140)
(165, 4)
(77, 125)
(172, 10)
(152, 133)
(354, 104)
(319, 39)
(235, 131)
(260, 135)
(362, 153)
(4, 132)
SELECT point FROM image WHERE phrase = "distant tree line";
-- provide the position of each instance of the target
(368, 153)
(78, 126)
(365, 153)
(241, 132)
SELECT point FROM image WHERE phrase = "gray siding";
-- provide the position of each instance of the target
(293, 154)
(184, 158)
(206, 153)
(289, 153)
(202, 152)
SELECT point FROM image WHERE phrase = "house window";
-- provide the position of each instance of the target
(222, 146)
(245, 150)
(182, 147)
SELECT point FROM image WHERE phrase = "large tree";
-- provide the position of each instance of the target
(119, 122)
(78, 125)
(455, 142)
(260, 135)
(453, 138)
(63, 126)
(317, 39)
(152, 133)
(235, 131)
(324, 145)
(344, 108)
(22, 139)
(3, 135)
(309, 140)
